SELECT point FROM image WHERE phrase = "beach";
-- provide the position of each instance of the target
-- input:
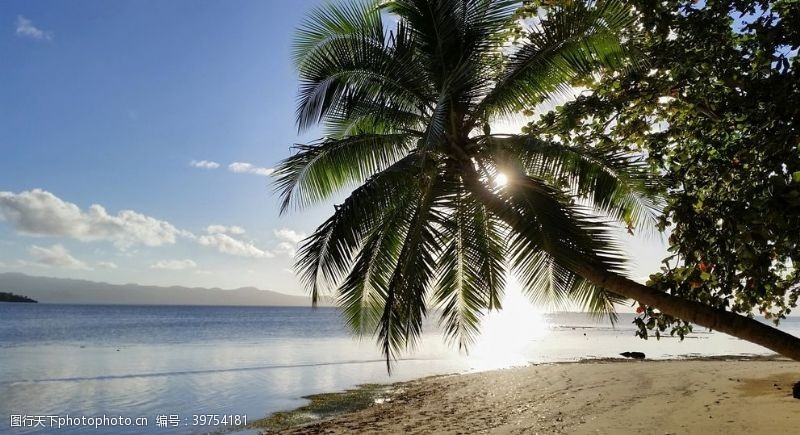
(708, 396)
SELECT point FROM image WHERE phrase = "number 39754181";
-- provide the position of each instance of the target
(219, 419)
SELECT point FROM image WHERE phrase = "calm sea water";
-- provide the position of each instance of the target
(145, 361)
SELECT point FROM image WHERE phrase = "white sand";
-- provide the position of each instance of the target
(628, 397)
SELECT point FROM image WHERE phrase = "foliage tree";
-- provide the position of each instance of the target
(407, 114)
(717, 110)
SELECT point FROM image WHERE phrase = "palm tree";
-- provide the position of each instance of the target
(407, 109)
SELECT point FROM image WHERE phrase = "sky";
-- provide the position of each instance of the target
(137, 140)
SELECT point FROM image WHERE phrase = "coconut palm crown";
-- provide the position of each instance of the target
(442, 209)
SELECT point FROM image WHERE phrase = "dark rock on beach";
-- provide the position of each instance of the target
(634, 355)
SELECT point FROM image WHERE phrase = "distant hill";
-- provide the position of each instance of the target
(74, 291)
(11, 297)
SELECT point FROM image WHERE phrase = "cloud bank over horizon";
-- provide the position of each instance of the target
(38, 213)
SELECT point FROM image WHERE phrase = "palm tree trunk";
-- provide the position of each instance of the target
(728, 322)
(701, 314)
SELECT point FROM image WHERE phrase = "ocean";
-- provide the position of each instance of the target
(167, 365)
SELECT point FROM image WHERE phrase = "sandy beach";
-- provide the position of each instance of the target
(606, 397)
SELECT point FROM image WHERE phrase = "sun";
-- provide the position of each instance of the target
(500, 180)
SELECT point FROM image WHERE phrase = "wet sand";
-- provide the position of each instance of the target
(601, 397)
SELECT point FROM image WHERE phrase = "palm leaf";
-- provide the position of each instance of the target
(326, 255)
(575, 39)
(615, 183)
(471, 267)
(361, 294)
(360, 65)
(549, 237)
(320, 169)
(332, 22)
(405, 297)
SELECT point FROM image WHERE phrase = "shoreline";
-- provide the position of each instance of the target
(519, 399)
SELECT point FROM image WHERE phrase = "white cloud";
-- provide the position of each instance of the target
(26, 29)
(288, 241)
(229, 245)
(289, 235)
(107, 265)
(174, 264)
(222, 229)
(223, 239)
(290, 249)
(247, 168)
(40, 213)
(56, 256)
(204, 164)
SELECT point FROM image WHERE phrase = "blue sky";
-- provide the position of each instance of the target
(168, 115)
(108, 103)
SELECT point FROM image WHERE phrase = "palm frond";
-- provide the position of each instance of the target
(406, 295)
(616, 183)
(361, 295)
(335, 21)
(549, 238)
(358, 66)
(555, 237)
(471, 267)
(371, 117)
(573, 40)
(455, 39)
(325, 257)
(320, 169)
(550, 285)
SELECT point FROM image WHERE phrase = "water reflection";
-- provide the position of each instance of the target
(507, 335)
(262, 360)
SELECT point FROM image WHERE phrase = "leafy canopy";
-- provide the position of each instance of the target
(407, 105)
(718, 112)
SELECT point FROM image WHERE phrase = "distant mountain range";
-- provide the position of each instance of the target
(74, 291)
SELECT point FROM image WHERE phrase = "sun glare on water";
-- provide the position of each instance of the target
(506, 334)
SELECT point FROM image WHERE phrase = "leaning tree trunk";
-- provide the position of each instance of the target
(716, 319)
